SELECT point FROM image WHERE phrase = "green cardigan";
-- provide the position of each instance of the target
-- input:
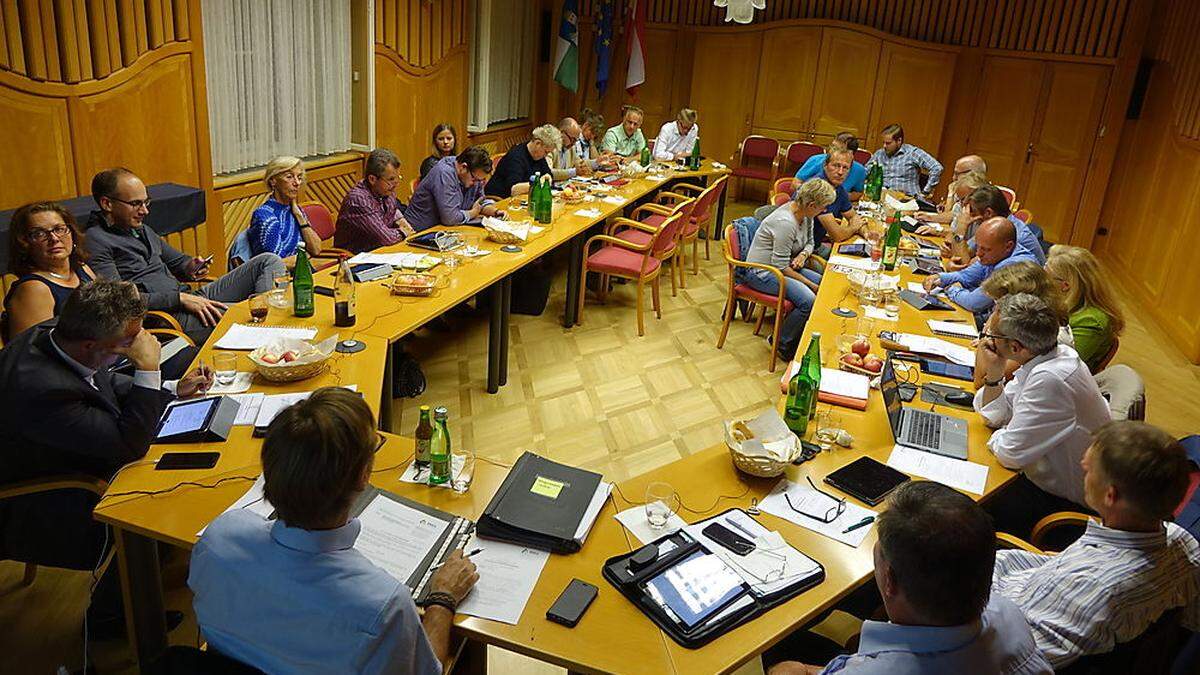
(1093, 334)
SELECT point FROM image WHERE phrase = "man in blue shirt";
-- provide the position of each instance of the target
(452, 192)
(293, 594)
(996, 248)
(933, 566)
(838, 222)
(857, 177)
(903, 163)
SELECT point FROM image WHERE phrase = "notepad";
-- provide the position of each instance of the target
(953, 329)
(956, 473)
(843, 384)
(245, 337)
(274, 404)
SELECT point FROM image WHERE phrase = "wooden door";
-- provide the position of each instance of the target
(724, 78)
(845, 83)
(1060, 148)
(912, 88)
(787, 74)
(1009, 90)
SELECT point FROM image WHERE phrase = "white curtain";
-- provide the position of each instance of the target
(278, 79)
(502, 61)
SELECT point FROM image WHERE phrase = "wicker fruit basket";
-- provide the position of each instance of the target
(752, 456)
(272, 364)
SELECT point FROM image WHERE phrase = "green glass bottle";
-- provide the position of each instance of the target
(546, 201)
(302, 285)
(801, 392)
(439, 448)
(694, 160)
(891, 242)
(424, 437)
(645, 155)
(875, 183)
(811, 363)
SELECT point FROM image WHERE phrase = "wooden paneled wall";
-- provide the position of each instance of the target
(89, 85)
(1149, 210)
(1073, 27)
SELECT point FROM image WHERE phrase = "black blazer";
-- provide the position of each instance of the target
(52, 421)
(156, 266)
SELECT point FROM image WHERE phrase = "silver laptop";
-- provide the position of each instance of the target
(920, 429)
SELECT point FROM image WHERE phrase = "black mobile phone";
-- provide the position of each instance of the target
(322, 290)
(572, 603)
(186, 460)
(728, 538)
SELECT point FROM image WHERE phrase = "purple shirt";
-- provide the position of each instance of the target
(365, 221)
(441, 197)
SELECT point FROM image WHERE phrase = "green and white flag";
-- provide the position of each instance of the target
(566, 58)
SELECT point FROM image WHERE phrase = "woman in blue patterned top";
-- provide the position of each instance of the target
(279, 225)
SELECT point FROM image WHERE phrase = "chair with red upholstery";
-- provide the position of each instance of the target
(658, 214)
(1010, 195)
(1025, 215)
(755, 159)
(862, 156)
(617, 257)
(702, 215)
(325, 226)
(412, 186)
(796, 155)
(739, 291)
(786, 186)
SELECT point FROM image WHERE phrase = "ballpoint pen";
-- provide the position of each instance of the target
(478, 550)
(862, 523)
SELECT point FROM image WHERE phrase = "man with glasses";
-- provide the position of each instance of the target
(293, 594)
(452, 192)
(1044, 418)
(567, 160)
(371, 216)
(121, 247)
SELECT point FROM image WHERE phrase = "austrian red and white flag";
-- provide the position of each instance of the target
(636, 73)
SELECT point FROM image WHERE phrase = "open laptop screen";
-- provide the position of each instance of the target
(891, 395)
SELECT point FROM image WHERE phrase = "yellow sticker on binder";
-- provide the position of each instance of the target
(547, 487)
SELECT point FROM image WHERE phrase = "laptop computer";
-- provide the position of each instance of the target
(920, 429)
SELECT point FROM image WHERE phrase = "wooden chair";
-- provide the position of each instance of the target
(627, 260)
(658, 214)
(1010, 195)
(755, 159)
(862, 156)
(1025, 215)
(50, 484)
(412, 186)
(702, 214)
(796, 155)
(738, 291)
(325, 226)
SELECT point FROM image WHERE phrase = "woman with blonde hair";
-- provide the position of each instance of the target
(279, 225)
(1095, 317)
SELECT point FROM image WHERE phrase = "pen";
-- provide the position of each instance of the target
(955, 320)
(739, 528)
(478, 550)
(862, 523)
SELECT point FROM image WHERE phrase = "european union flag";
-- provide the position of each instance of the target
(604, 36)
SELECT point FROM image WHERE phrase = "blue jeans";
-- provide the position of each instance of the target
(800, 295)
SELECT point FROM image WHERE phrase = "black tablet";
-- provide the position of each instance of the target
(866, 479)
(859, 250)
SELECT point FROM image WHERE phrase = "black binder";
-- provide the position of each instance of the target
(630, 578)
(455, 537)
(540, 504)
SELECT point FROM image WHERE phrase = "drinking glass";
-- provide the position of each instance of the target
(277, 296)
(225, 367)
(828, 426)
(461, 481)
(891, 303)
(258, 308)
(661, 502)
(864, 328)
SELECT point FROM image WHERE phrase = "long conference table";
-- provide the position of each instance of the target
(613, 636)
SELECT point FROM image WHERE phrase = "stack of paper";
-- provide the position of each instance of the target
(957, 473)
(923, 344)
(417, 261)
(842, 388)
(274, 404)
(953, 329)
(241, 336)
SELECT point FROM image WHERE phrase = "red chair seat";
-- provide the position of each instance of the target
(641, 238)
(761, 173)
(654, 220)
(744, 291)
(620, 261)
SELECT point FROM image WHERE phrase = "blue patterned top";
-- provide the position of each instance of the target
(273, 229)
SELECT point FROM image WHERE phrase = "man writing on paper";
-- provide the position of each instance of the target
(943, 620)
(452, 193)
(252, 578)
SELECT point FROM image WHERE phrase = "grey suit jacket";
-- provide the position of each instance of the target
(155, 266)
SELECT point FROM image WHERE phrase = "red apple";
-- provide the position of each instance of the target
(270, 358)
(853, 360)
(873, 363)
(289, 356)
(861, 347)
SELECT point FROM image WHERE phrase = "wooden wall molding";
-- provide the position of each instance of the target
(12, 80)
(421, 71)
(419, 32)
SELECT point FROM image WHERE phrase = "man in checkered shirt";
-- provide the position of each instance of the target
(902, 164)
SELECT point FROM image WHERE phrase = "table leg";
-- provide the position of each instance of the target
(472, 658)
(385, 402)
(495, 329)
(141, 587)
(574, 274)
(719, 223)
(506, 314)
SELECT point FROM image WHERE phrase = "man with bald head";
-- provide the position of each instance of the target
(565, 162)
(995, 248)
(963, 166)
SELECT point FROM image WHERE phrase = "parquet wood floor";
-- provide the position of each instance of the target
(595, 395)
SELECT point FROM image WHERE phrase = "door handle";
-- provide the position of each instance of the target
(1028, 152)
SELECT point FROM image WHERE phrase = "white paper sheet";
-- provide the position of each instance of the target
(248, 407)
(923, 344)
(272, 405)
(634, 520)
(878, 314)
(416, 474)
(614, 199)
(507, 575)
(253, 501)
(956, 473)
(777, 505)
(588, 213)
(917, 287)
(246, 338)
(419, 261)
(593, 511)
(771, 555)
(853, 262)
(171, 348)
(397, 537)
(962, 330)
(241, 383)
(842, 383)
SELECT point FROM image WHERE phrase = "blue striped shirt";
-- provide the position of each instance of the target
(1103, 590)
(902, 171)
